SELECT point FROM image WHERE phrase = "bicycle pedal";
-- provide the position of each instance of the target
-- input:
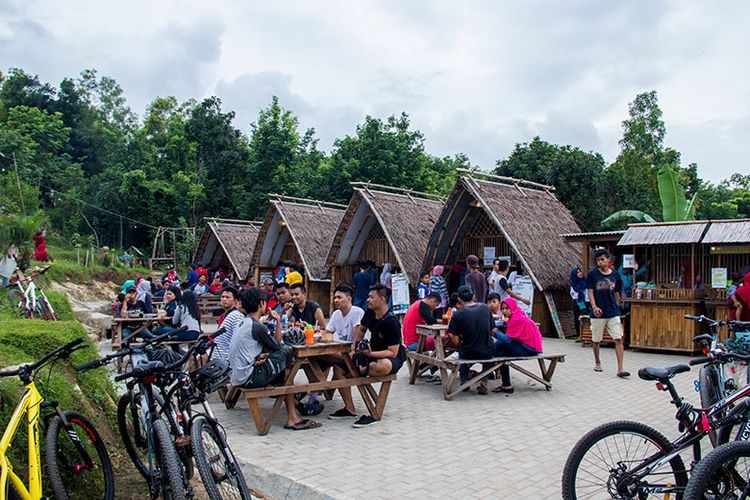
(182, 441)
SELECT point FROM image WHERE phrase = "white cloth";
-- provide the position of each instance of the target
(7, 266)
(342, 325)
(494, 280)
(182, 318)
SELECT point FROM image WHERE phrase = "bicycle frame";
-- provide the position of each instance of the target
(30, 294)
(30, 405)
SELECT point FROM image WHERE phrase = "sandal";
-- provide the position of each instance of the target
(505, 390)
(623, 374)
(598, 368)
(303, 425)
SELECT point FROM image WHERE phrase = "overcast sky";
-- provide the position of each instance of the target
(475, 77)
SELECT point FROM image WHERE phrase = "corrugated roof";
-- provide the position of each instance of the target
(663, 233)
(594, 234)
(728, 231)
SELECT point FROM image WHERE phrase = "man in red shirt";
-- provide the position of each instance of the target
(420, 313)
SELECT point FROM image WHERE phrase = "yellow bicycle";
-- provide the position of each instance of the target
(75, 456)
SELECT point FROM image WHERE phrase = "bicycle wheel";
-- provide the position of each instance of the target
(133, 432)
(723, 473)
(710, 392)
(19, 304)
(179, 432)
(599, 464)
(219, 471)
(77, 462)
(173, 485)
(44, 309)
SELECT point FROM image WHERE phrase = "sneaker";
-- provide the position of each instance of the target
(342, 413)
(364, 421)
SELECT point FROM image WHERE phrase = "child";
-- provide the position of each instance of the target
(493, 302)
(424, 286)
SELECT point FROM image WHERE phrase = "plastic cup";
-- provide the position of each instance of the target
(309, 336)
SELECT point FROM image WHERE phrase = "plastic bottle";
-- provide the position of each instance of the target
(284, 323)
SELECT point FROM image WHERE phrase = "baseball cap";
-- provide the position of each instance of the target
(131, 288)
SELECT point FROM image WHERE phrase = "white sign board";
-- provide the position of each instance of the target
(400, 293)
(488, 256)
(718, 277)
(524, 287)
(628, 261)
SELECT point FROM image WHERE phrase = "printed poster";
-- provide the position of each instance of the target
(524, 287)
(400, 293)
(718, 277)
(628, 261)
(488, 256)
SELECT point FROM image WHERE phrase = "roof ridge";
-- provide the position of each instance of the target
(305, 201)
(503, 180)
(380, 188)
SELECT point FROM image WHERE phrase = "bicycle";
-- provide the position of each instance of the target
(75, 456)
(31, 300)
(627, 459)
(723, 473)
(721, 376)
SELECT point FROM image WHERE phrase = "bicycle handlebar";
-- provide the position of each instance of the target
(96, 363)
(718, 356)
(700, 361)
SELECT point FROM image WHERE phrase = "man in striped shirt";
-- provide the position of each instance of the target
(230, 320)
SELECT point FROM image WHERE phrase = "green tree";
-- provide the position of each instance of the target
(729, 199)
(577, 176)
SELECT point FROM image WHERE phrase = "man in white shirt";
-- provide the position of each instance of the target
(346, 316)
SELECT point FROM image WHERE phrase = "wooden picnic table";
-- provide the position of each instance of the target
(449, 368)
(145, 322)
(307, 358)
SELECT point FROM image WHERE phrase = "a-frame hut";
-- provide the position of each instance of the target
(227, 243)
(299, 231)
(518, 219)
(383, 224)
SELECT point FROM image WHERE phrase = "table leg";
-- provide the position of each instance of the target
(545, 383)
(354, 373)
(264, 425)
(385, 388)
(260, 421)
(440, 354)
(415, 363)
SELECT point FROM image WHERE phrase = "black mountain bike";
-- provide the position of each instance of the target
(631, 460)
(723, 473)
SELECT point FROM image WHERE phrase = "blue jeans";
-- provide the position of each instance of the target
(185, 336)
(5, 281)
(506, 346)
(128, 332)
(463, 370)
(161, 330)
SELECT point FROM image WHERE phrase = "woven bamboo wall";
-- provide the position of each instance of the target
(484, 233)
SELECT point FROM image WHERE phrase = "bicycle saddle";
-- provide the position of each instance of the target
(147, 368)
(661, 373)
(703, 338)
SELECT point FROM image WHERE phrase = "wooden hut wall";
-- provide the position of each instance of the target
(665, 262)
(483, 233)
(318, 291)
(288, 254)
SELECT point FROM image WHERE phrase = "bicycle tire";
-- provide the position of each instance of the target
(717, 473)
(133, 437)
(66, 476)
(741, 430)
(174, 485)
(222, 480)
(708, 378)
(44, 308)
(592, 438)
(176, 425)
(20, 304)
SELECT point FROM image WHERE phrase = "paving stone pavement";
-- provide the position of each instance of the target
(493, 446)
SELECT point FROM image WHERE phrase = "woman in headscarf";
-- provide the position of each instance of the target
(188, 315)
(579, 295)
(143, 291)
(521, 338)
(172, 299)
(438, 285)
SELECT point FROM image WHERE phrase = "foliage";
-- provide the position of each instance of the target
(675, 205)
(17, 230)
(578, 176)
(629, 215)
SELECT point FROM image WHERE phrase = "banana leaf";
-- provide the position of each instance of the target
(635, 215)
(673, 200)
(691, 207)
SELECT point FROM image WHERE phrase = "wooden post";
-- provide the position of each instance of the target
(333, 285)
(585, 263)
(692, 266)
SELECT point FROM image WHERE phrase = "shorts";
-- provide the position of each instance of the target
(360, 359)
(272, 371)
(613, 326)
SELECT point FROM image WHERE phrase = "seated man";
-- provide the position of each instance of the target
(420, 313)
(162, 288)
(347, 316)
(230, 320)
(259, 359)
(283, 298)
(202, 287)
(303, 309)
(385, 354)
(473, 324)
(131, 307)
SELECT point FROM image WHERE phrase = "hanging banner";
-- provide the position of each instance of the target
(400, 293)
(524, 287)
(488, 256)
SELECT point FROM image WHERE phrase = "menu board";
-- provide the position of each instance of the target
(628, 261)
(718, 277)
(400, 293)
(524, 287)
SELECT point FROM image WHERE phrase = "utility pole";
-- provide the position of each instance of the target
(18, 183)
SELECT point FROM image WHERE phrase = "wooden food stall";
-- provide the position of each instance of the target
(675, 268)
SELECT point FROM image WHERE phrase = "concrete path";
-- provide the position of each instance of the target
(493, 446)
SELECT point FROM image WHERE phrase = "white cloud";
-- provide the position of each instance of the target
(475, 77)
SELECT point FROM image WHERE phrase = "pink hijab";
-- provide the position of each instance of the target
(437, 270)
(521, 327)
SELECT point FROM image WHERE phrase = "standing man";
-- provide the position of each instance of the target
(305, 310)
(230, 320)
(362, 280)
(503, 283)
(476, 280)
(604, 287)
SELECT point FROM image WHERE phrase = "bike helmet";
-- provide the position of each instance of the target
(211, 376)
(166, 356)
(294, 336)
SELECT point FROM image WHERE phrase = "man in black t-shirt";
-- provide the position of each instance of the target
(473, 324)
(130, 308)
(385, 354)
(303, 309)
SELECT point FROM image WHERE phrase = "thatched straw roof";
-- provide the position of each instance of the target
(663, 233)
(310, 224)
(232, 239)
(530, 219)
(407, 219)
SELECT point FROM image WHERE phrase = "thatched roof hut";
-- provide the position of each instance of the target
(385, 225)
(519, 219)
(299, 231)
(227, 243)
